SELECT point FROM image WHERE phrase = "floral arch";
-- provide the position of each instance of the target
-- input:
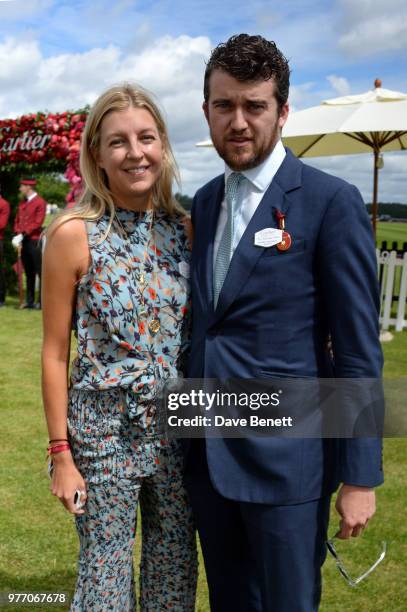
(43, 142)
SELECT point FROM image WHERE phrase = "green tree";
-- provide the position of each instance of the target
(184, 200)
(52, 188)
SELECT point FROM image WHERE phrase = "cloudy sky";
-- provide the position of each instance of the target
(60, 54)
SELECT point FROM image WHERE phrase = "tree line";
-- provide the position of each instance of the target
(396, 211)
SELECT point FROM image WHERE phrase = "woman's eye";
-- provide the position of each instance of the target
(116, 142)
(148, 137)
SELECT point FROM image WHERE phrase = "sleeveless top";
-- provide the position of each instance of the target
(115, 347)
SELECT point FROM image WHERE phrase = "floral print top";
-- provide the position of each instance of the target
(115, 345)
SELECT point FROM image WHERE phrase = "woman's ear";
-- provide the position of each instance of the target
(96, 156)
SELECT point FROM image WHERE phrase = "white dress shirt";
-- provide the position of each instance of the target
(251, 191)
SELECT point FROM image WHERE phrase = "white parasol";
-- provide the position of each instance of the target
(375, 121)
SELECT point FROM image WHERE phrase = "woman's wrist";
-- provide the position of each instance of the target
(58, 447)
(54, 441)
(62, 457)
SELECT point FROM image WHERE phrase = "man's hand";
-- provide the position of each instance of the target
(17, 241)
(356, 505)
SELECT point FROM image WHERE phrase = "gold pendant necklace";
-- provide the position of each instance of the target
(154, 325)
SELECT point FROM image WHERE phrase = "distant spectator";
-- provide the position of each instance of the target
(52, 209)
(4, 217)
(28, 223)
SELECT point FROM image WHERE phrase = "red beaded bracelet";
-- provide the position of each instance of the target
(58, 448)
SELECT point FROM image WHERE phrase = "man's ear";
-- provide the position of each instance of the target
(283, 115)
(205, 108)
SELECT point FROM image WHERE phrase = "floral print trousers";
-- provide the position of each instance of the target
(107, 533)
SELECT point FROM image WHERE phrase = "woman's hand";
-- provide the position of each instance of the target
(66, 479)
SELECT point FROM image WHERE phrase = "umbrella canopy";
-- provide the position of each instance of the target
(372, 122)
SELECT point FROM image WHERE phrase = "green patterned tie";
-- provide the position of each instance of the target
(224, 253)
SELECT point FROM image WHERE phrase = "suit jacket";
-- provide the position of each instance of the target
(30, 217)
(273, 317)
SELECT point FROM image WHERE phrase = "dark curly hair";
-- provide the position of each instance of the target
(250, 58)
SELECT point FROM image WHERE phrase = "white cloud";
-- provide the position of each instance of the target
(358, 169)
(340, 85)
(302, 96)
(304, 39)
(18, 62)
(370, 27)
(175, 65)
(172, 68)
(198, 165)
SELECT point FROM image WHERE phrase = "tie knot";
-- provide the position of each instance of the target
(232, 185)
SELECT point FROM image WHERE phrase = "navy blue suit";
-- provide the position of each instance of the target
(275, 312)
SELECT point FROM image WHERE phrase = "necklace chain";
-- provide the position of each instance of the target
(154, 325)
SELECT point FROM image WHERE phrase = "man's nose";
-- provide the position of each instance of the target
(238, 122)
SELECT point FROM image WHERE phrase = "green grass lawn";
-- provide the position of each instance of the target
(391, 232)
(38, 545)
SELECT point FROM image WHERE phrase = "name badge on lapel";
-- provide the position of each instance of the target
(268, 237)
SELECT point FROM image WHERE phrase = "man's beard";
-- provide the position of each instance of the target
(259, 154)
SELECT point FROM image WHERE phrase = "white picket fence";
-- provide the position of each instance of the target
(392, 272)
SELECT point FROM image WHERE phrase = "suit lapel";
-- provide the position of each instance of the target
(246, 255)
(205, 258)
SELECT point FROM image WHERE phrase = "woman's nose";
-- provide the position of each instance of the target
(134, 150)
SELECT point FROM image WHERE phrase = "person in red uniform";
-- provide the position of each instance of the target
(4, 217)
(28, 222)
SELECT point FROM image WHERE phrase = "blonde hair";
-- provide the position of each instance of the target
(97, 198)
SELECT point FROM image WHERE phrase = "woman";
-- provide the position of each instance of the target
(116, 265)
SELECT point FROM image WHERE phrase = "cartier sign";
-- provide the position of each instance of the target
(28, 141)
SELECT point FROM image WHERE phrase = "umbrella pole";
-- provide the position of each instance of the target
(375, 184)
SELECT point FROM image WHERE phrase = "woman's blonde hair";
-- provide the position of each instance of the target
(97, 198)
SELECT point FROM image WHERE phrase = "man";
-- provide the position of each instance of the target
(28, 224)
(262, 504)
(4, 217)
